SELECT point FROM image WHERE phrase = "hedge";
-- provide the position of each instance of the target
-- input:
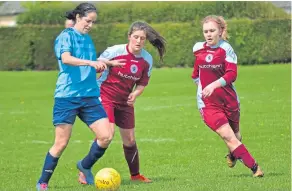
(254, 41)
(152, 12)
(16, 54)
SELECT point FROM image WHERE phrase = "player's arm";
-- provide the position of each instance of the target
(71, 60)
(196, 51)
(141, 84)
(195, 74)
(63, 50)
(229, 76)
(113, 63)
(138, 90)
(135, 93)
(230, 68)
(108, 56)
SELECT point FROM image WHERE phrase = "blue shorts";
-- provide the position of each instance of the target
(88, 109)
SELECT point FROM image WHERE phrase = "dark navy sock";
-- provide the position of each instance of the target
(48, 169)
(94, 154)
(254, 168)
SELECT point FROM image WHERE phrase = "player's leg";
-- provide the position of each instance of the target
(93, 114)
(230, 158)
(214, 117)
(109, 109)
(63, 119)
(62, 136)
(238, 149)
(233, 116)
(125, 119)
(238, 136)
(132, 155)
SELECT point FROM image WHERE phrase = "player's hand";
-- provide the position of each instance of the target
(131, 99)
(117, 63)
(208, 90)
(99, 66)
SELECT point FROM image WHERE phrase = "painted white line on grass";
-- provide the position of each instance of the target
(151, 108)
(156, 140)
(18, 112)
(40, 142)
(189, 139)
(149, 140)
(14, 112)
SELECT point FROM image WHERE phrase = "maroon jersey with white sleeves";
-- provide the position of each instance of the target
(212, 63)
(116, 83)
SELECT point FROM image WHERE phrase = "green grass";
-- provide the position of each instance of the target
(176, 149)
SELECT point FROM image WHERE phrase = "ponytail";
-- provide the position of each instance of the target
(155, 39)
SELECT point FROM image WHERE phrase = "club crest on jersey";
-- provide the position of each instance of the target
(134, 68)
(209, 58)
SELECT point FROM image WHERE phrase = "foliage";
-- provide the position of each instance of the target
(152, 12)
(15, 54)
(254, 41)
(44, 12)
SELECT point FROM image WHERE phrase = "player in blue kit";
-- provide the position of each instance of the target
(77, 94)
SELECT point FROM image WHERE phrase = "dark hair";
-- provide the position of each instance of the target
(152, 36)
(82, 9)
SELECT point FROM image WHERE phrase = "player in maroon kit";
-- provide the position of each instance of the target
(120, 86)
(215, 70)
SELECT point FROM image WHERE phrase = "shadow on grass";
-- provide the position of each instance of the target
(269, 174)
(154, 180)
(74, 187)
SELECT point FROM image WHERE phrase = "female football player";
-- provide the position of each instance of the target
(77, 94)
(120, 86)
(215, 70)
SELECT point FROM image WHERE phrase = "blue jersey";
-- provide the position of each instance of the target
(75, 81)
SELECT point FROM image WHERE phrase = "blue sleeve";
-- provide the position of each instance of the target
(63, 44)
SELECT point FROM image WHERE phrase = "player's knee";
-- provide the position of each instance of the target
(105, 140)
(130, 142)
(60, 146)
(238, 136)
(231, 140)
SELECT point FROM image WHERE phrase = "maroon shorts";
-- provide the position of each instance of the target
(215, 117)
(122, 115)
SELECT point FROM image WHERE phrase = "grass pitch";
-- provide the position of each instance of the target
(176, 149)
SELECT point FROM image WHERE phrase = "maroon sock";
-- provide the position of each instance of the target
(232, 157)
(242, 153)
(132, 157)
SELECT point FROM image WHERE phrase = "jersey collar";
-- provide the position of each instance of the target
(135, 56)
(215, 46)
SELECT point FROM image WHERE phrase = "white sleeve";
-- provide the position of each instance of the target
(108, 54)
(231, 56)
